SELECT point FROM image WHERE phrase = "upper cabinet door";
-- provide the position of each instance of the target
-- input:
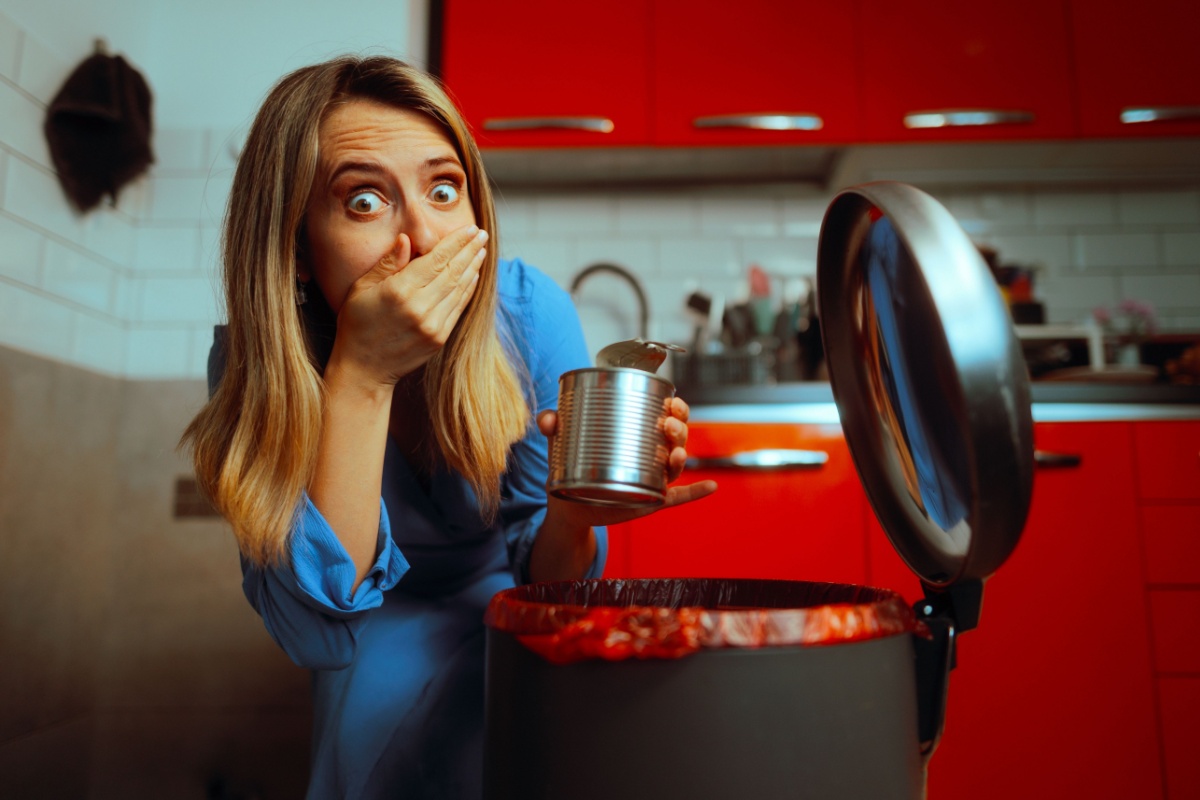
(1138, 67)
(754, 72)
(537, 73)
(947, 69)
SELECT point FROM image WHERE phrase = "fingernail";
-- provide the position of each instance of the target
(481, 237)
(473, 229)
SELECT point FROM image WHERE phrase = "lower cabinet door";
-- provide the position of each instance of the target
(1053, 695)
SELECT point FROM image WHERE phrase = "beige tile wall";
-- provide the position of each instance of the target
(132, 664)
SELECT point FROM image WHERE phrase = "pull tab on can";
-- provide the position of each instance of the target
(610, 449)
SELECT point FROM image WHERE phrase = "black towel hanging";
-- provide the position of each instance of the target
(99, 128)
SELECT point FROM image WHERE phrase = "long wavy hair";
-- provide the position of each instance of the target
(254, 445)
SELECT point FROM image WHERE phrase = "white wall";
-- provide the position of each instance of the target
(132, 290)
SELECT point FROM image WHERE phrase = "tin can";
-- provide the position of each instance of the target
(610, 448)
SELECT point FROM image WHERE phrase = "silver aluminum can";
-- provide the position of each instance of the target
(610, 448)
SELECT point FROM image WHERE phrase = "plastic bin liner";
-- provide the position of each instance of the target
(569, 621)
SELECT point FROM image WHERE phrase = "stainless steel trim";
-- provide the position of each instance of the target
(1139, 114)
(762, 122)
(1044, 459)
(763, 460)
(592, 124)
(966, 117)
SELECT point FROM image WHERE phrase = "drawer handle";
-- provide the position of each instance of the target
(763, 460)
(966, 117)
(592, 124)
(1134, 116)
(762, 122)
(1048, 460)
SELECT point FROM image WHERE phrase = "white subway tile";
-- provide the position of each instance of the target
(20, 252)
(661, 213)
(110, 234)
(1074, 209)
(1168, 207)
(554, 256)
(21, 125)
(699, 260)
(740, 216)
(781, 256)
(158, 353)
(216, 197)
(127, 298)
(223, 147)
(1182, 250)
(1117, 250)
(10, 47)
(201, 344)
(1006, 209)
(180, 149)
(32, 322)
(133, 199)
(1077, 292)
(167, 249)
(178, 199)
(99, 344)
(1052, 251)
(191, 299)
(802, 216)
(565, 215)
(514, 215)
(43, 70)
(638, 255)
(210, 251)
(36, 196)
(73, 276)
(1164, 291)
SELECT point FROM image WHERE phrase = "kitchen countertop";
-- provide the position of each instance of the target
(1052, 402)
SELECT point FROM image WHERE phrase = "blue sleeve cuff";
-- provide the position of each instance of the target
(323, 573)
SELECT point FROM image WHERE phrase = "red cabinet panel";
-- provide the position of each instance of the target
(1053, 694)
(1132, 56)
(1180, 700)
(797, 524)
(1168, 460)
(1175, 619)
(766, 58)
(1171, 538)
(939, 55)
(538, 59)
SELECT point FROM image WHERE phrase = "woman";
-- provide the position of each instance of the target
(370, 435)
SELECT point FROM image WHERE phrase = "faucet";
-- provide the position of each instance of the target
(643, 307)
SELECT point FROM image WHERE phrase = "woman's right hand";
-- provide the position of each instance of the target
(402, 311)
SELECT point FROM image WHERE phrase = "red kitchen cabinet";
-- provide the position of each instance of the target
(1001, 62)
(536, 73)
(1136, 67)
(770, 73)
(788, 523)
(1054, 695)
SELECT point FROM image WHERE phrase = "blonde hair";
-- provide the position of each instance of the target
(254, 444)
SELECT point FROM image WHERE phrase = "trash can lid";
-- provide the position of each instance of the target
(656, 618)
(929, 380)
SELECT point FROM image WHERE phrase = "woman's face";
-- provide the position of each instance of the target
(381, 172)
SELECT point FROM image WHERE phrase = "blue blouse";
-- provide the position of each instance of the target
(398, 661)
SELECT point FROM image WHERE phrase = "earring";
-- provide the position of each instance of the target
(301, 295)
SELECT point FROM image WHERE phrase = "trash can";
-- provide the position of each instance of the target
(714, 688)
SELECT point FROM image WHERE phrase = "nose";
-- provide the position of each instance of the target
(421, 231)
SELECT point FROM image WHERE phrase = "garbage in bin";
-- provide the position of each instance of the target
(725, 688)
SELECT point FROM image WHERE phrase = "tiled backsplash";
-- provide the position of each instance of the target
(133, 290)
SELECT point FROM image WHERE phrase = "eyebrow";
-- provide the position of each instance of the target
(375, 168)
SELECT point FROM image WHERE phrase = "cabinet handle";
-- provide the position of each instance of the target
(762, 122)
(592, 124)
(966, 117)
(763, 460)
(1048, 460)
(1133, 116)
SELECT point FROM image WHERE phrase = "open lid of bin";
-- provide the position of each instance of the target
(929, 380)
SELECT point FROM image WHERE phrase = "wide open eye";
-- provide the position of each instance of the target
(444, 193)
(365, 202)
